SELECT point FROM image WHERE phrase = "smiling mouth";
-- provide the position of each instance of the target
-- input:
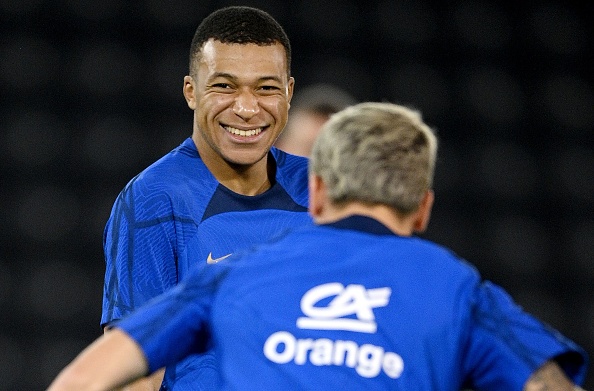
(243, 133)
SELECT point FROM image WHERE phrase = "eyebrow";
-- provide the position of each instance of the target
(234, 78)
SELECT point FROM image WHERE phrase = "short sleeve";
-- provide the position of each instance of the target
(506, 344)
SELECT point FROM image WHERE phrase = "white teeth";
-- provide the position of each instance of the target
(244, 133)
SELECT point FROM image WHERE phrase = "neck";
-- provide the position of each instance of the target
(244, 179)
(247, 185)
(399, 224)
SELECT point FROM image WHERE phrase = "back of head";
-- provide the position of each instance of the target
(376, 153)
(239, 25)
(310, 109)
(323, 99)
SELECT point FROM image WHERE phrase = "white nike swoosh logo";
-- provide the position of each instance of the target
(210, 260)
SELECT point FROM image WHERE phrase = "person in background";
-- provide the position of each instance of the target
(310, 109)
(356, 301)
(224, 188)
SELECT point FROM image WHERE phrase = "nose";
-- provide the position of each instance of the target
(246, 105)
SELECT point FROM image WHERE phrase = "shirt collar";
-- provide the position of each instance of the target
(361, 223)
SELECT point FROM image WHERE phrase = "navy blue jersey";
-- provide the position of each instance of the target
(175, 216)
(351, 306)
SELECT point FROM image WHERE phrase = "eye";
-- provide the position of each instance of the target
(269, 90)
(221, 85)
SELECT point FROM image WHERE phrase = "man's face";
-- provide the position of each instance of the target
(240, 94)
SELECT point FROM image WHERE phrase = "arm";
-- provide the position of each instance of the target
(550, 377)
(113, 360)
(132, 248)
(149, 383)
(504, 337)
(140, 252)
(165, 330)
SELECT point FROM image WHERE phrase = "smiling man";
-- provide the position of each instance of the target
(240, 95)
(223, 189)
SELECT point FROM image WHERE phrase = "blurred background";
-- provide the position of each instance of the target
(91, 95)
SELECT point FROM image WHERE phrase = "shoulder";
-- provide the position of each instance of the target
(292, 174)
(182, 161)
(177, 172)
(444, 276)
(444, 258)
(289, 165)
(288, 160)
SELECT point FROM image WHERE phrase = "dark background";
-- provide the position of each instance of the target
(91, 94)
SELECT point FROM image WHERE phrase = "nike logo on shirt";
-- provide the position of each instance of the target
(210, 260)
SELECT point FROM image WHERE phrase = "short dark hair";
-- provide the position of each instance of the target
(242, 25)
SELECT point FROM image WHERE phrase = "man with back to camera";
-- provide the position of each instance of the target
(223, 189)
(359, 304)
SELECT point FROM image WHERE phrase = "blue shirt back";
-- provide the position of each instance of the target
(351, 306)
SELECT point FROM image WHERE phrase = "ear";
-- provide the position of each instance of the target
(189, 92)
(424, 213)
(317, 196)
(290, 88)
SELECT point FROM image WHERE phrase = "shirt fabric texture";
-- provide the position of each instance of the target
(351, 306)
(173, 217)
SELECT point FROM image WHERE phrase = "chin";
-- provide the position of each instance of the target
(245, 158)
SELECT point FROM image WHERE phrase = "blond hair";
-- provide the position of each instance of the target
(377, 153)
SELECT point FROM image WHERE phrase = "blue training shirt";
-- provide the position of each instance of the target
(175, 216)
(351, 306)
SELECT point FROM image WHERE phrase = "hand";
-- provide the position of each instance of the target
(550, 377)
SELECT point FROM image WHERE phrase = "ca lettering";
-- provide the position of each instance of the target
(352, 300)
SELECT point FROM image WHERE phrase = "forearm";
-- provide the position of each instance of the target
(112, 361)
(149, 383)
(550, 377)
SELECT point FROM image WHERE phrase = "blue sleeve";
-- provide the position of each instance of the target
(507, 345)
(140, 250)
(175, 324)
